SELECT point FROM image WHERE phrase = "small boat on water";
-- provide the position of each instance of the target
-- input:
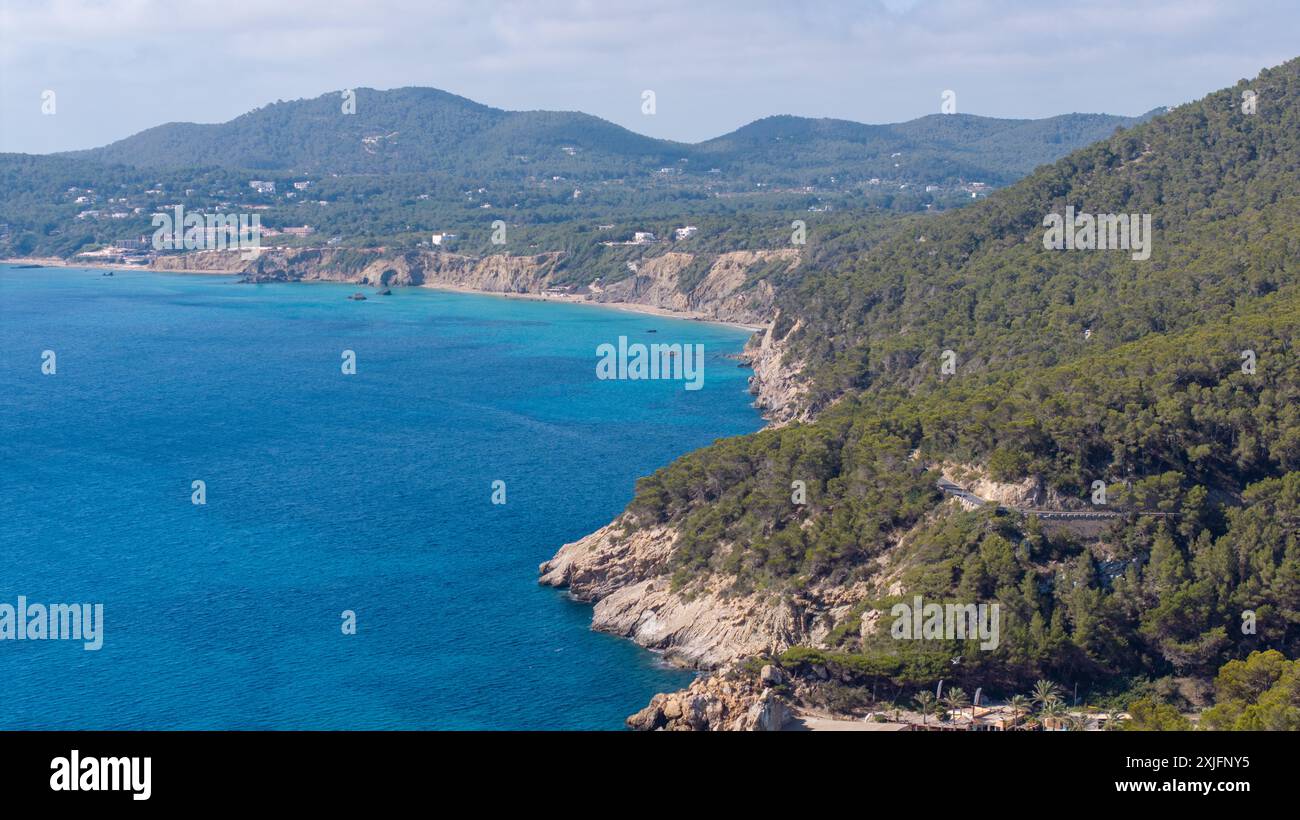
(386, 292)
(107, 273)
(358, 297)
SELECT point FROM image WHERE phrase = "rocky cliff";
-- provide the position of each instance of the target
(725, 292)
(776, 381)
(732, 700)
(625, 571)
(498, 273)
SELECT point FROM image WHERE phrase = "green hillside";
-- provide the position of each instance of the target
(401, 131)
(1071, 367)
(934, 149)
(422, 130)
(416, 160)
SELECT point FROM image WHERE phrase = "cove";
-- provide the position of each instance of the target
(324, 492)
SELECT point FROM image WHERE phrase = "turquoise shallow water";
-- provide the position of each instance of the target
(325, 492)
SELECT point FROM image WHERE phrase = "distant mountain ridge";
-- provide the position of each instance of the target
(415, 130)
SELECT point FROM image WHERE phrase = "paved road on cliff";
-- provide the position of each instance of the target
(957, 491)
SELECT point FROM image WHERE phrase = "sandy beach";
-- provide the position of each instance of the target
(631, 307)
(809, 720)
(56, 262)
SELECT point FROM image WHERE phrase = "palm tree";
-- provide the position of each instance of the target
(956, 699)
(1044, 691)
(1052, 707)
(1019, 705)
(924, 704)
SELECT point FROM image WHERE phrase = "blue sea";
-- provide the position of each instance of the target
(325, 493)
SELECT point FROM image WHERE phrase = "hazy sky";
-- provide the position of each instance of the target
(119, 66)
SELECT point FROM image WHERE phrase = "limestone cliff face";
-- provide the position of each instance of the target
(721, 294)
(776, 381)
(1029, 492)
(207, 261)
(627, 577)
(656, 282)
(499, 273)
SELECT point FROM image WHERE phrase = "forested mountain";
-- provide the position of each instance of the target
(418, 130)
(400, 131)
(935, 148)
(414, 161)
(1173, 380)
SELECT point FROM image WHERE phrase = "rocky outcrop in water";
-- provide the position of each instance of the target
(733, 700)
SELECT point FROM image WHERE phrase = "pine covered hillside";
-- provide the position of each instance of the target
(399, 131)
(1173, 380)
(937, 148)
(1220, 186)
(413, 130)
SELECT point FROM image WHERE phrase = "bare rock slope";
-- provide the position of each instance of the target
(627, 575)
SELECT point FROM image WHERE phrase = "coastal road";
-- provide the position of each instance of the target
(954, 490)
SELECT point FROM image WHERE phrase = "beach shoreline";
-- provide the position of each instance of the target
(630, 307)
(56, 262)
